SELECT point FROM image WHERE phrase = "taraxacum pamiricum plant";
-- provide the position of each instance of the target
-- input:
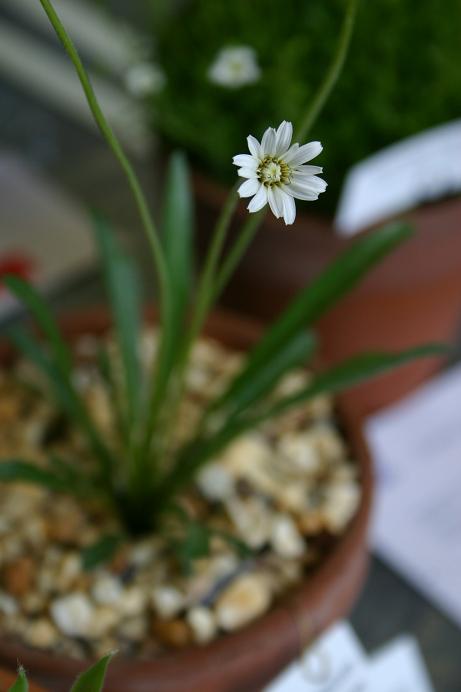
(92, 680)
(139, 474)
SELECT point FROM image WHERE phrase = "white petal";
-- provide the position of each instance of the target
(246, 161)
(268, 142)
(311, 183)
(304, 153)
(249, 188)
(306, 171)
(283, 137)
(259, 200)
(300, 192)
(289, 208)
(274, 202)
(247, 172)
(254, 146)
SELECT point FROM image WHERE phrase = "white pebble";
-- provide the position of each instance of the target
(285, 537)
(73, 614)
(132, 602)
(106, 589)
(202, 622)
(8, 605)
(167, 601)
(243, 601)
(215, 482)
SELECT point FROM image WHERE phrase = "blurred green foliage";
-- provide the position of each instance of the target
(403, 74)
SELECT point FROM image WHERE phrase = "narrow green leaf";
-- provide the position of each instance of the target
(339, 378)
(101, 551)
(17, 471)
(337, 279)
(30, 297)
(178, 232)
(64, 392)
(123, 288)
(252, 383)
(92, 680)
(21, 684)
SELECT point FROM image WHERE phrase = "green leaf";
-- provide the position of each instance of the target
(194, 545)
(353, 372)
(92, 680)
(123, 288)
(254, 382)
(21, 684)
(17, 471)
(344, 376)
(337, 279)
(27, 294)
(101, 551)
(64, 392)
(178, 232)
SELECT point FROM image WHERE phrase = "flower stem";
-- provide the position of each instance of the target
(333, 73)
(115, 146)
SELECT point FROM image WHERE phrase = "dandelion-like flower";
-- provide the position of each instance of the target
(276, 172)
(234, 66)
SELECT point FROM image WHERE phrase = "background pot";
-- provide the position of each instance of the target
(245, 660)
(412, 297)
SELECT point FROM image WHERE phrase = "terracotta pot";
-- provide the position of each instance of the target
(246, 660)
(412, 297)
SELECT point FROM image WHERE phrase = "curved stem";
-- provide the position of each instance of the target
(115, 146)
(333, 73)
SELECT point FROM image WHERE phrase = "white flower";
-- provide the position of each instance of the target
(144, 79)
(234, 67)
(276, 172)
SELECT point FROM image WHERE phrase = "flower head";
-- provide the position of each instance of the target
(234, 66)
(276, 173)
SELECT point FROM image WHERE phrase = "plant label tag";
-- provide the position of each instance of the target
(335, 663)
(416, 445)
(418, 169)
(398, 667)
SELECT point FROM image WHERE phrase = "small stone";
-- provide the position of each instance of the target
(8, 605)
(174, 633)
(19, 576)
(300, 452)
(285, 537)
(42, 634)
(73, 614)
(341, 502)
(132, 601)
(103, 620)
(133, 629)
(202, 622)
(215, 482)
(106, 589)
(252, 520)
(69, 569)
(244, 600)
(167, 601)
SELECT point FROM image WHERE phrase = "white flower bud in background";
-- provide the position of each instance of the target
(235, 66)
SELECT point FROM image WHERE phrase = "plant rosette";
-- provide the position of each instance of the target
(183, 484)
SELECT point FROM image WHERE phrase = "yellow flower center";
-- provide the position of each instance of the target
(273, 171)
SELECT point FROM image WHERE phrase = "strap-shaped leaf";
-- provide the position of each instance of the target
(339, 378)
(101, 551)
(251, 384)
(21, 684)
(336, 280)
(16, 471)
(33, 301)
(93, 679)
(64, 392)
(178, 232)
(123, 288)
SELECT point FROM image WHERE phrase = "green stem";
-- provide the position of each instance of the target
(114, 145)
(333, 73)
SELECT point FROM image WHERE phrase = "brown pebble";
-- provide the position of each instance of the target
(174, 633)
(18, 576)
